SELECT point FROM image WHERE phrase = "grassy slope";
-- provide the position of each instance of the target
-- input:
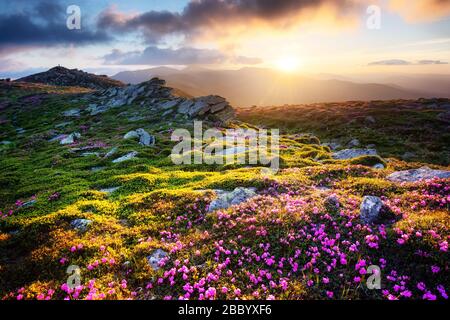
(287, 243)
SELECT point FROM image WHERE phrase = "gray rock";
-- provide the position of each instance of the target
(414, 175)
(144, 137)
(94, 109)
(111, 152)
(370, 209)
(185, 106)
(88, 154)
(168, 104)
(332, 145)
(63, 124)
(72, 113)
(225, 199)
(354, 143)
(378, 166)
(126, 157)
(354, 153)
(155, 258)
(97, 169)
(109, 190)
(71, 138)
(81, 224)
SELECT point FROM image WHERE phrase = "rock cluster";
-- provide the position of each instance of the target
(353, 153)
(154, 95)
(414, 175)
(60, 76)
(226, 199)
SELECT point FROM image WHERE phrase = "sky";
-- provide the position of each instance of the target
(307, 36)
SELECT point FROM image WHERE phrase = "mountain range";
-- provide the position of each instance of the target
(263, 86)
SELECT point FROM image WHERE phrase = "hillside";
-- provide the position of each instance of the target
(86, 180)
(60, 76)
(257, 86)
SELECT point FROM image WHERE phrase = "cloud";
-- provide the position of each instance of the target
(431, 62)
(153, 55)
(40, 26)
(391, 62)
(399, 62)
(421, 10)
(212, 18)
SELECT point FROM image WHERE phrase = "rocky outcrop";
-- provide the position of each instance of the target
(353, 153)
(414, 175)
(60, 76)
(154, 95)
(226, 199)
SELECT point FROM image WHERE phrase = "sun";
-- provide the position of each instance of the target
(288, 64)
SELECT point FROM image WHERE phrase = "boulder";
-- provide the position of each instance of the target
(226, 199)
(414, 175)
(126, 157)
(81, 224)
(353, 153)
(144, 137)
(155, 258)
(378, 166)
(370, 209)
(71, 138)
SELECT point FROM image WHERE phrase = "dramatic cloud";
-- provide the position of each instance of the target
(40, 26)
(399, 62)
(218, 17)
(183, 56)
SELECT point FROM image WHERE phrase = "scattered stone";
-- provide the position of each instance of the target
(144, 137)
(225, 199)
(111, 152)
(354, 143)
(414, 175)
(88, 154)
(28, 204)
(97, 169)
(378, 166)
(155, 258)
(370, 209)
(126, 157)
(109, 190)
(81, 224)
(63, 124)
(71, 138)
(353, 153)
(94, 109)
(72, 113)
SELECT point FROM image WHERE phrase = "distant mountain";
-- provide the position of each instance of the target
(60, 76)
(260, 86)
